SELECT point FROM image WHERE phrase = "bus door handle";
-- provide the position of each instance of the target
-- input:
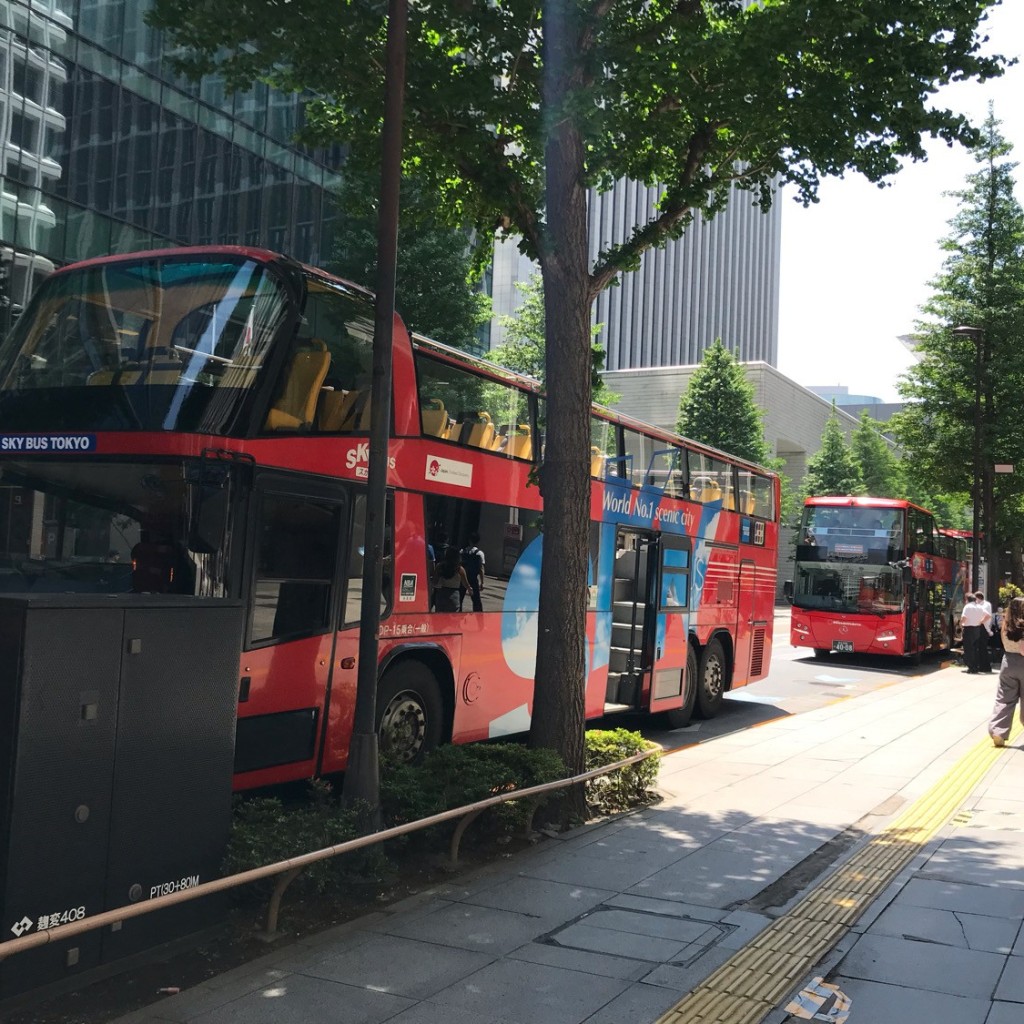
(347, 663)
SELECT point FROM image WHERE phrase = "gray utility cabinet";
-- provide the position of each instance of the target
(117, 724)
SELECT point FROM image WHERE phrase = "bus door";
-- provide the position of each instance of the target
(745, 625)
(916, 617)
(632, 644)
(667, 681)
(293, 581)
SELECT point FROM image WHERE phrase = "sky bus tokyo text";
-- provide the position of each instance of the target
(876, 576)
(226, 396)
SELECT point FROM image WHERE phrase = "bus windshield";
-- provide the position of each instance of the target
(155, 344)
(850, 559)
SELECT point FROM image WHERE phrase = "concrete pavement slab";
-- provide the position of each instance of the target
(971, 899)
(403, 967)
(431, 1013)
(1018, 946)
(638, 1003)
(465, 926)
(1004, 1013)
(604, 965)
(965, 931)
(531, 993)
(983, 858)
(301, 1000)
(923, 965)
(538, 897)
(1011, 985)
(875, 1003)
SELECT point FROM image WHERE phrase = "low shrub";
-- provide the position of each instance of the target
(627, 787)
(452, 776)
(265, 830)
(1007, 592)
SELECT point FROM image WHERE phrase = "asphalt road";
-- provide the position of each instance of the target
(797, 682)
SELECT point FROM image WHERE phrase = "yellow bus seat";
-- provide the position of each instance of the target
(749, 502)
(709, 493)
(435, 419)
(520, 443)
(478, 430)
(295, 409)
(727, 499)
(597, 461)
(343, 411)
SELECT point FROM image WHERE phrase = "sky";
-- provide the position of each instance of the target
(856, 267)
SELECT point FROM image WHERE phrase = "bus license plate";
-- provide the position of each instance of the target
(842, 646)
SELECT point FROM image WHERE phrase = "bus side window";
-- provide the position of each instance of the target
(296, 551)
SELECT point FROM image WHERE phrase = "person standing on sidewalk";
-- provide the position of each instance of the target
(1011, 674)
(984, 654)
(973, 620)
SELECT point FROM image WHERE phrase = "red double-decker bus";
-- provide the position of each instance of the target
(875, 576)
(195, 421)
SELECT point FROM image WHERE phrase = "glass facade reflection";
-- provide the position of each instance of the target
(103, 149)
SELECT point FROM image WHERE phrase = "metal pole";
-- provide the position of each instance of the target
(975, 335)
(362, 780)
(976, 526)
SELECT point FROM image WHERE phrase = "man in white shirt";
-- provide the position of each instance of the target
(974, 620)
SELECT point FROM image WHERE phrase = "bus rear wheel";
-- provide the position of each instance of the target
(409, 712)
(711, 688)
(679, 718)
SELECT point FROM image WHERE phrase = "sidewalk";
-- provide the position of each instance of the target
(616, 923)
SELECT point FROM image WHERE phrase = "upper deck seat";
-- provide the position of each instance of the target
(295, 409)
(597, 461)
(478, 430)
(520, 444)
(436, 420)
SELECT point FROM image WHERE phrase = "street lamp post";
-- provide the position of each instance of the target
(976, 335)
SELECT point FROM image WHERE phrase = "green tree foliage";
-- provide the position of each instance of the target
(880, 472)
(718, 408)
(832, 469)
(515, 108)
(524, 350)
(981, 285)
(436, 294)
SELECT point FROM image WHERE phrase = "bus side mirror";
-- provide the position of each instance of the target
(787, 591)
(908, 575)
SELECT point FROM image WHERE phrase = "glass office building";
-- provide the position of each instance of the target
(105, 150)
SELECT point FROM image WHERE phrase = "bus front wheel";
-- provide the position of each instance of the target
(409, 712)
(679, 718)
(711, 689)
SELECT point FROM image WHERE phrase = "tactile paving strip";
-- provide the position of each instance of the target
(748, 986)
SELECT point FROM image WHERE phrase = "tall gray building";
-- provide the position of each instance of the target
(719, 280)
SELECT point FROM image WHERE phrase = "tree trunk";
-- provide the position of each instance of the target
(558, 697)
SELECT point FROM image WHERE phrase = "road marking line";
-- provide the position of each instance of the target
(751, 983)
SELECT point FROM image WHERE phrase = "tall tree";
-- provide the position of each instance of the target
(718, 407)
(436, 293)
(879, 468)
(524, 349)
(832, 469)
(516, 107)
(981, 285)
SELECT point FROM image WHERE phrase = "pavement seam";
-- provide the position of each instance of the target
(751, 983)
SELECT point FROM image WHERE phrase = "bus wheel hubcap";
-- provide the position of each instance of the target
(403, 727)
(713, 678)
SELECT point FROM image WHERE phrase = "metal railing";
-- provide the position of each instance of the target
(290, 869)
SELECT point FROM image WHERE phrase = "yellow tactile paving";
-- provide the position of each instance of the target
(751, 983)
